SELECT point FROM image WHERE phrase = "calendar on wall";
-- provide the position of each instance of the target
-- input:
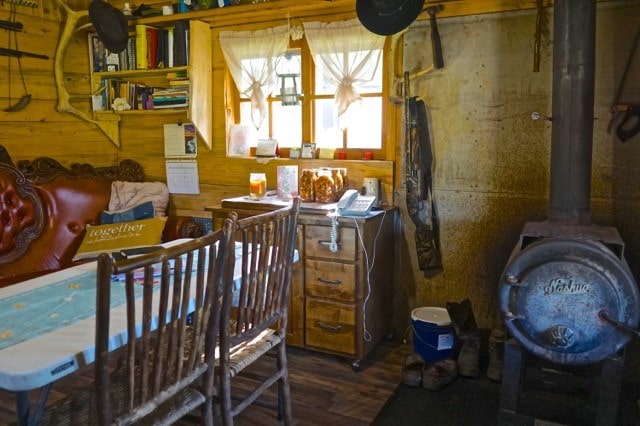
(182, 177)
(180, 153)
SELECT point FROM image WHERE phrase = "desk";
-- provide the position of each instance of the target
(341, 302)
(42, 359)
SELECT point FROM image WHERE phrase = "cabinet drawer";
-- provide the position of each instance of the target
(317, 239)
(330, 326)
(330, 280)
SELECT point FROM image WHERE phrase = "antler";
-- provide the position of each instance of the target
(73, 17)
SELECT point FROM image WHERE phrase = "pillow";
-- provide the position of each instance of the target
(129, 194)
(117, 236)
(141, 211)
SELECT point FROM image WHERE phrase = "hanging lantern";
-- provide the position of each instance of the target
(288, 72)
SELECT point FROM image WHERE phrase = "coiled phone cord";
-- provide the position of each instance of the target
(333, 244)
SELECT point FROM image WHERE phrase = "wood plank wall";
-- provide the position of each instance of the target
(39, 130)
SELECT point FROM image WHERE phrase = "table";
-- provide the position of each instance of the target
(45, 357)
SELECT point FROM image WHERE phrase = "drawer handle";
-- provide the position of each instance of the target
(327, 281)
(335, 328)
(326, 244)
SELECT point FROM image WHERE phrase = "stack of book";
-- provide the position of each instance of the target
(169, 98)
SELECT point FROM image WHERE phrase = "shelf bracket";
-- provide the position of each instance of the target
(110, 127)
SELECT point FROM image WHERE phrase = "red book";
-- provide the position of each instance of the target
(152, 47)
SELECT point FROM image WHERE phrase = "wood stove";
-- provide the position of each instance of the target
(567, 297)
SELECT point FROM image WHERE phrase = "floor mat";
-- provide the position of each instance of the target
(473, 402)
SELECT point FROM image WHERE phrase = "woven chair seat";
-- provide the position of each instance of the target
(247, 352)
(80, 408)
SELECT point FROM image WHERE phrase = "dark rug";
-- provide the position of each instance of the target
(463, 402)
(476, 402)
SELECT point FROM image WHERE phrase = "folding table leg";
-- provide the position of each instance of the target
(25, 418)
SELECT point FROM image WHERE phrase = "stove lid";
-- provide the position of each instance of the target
(552, 291)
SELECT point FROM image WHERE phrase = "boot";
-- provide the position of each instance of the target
(469, 356)
(439, 374)
(496, 355)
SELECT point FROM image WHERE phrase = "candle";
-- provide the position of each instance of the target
(368, 155)
(257, 185)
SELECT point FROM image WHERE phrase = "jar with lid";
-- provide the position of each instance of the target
(324, 187)
(338, 183)
(306, 191)
(345, 177)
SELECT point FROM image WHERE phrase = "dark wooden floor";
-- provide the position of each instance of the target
(325, 390)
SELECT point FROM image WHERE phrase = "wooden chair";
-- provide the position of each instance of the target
(254, 311)
(173, 303)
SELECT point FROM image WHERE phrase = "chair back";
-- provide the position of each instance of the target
(260, 298)
(173, 304)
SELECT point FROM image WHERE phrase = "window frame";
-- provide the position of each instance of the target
(307, 82)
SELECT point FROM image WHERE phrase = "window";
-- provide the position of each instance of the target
(315, 117)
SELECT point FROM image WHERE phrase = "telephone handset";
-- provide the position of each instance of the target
(354, 204)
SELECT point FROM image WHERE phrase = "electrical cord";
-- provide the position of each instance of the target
(369, 268)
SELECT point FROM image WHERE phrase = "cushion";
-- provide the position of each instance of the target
(141, 211)
(128, 194)
(117, 236)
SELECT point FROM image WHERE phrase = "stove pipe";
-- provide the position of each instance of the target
(572, 110)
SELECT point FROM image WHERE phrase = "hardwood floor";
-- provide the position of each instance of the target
(324, 388)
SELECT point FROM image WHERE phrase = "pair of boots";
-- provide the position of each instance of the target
(432, 376)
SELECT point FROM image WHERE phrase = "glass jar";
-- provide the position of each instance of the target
(306, 191)
(324, 187)
(338, 183)
(257, 185)
(345, 177)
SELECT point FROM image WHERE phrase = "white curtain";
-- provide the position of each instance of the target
(250, 57)
(350, 55)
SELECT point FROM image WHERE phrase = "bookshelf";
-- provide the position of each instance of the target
(157, 89)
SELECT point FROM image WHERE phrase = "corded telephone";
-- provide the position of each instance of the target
(354, 204)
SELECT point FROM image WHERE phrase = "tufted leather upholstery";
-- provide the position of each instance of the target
(45, 208)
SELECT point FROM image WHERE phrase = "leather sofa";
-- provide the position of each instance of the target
(45, 207)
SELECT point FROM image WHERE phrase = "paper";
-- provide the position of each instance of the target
(182, 177)
(239, 141)
(180, 140)
(267, 147)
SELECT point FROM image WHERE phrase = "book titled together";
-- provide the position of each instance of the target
(118, 237)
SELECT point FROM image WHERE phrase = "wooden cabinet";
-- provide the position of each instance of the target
(341, 301)
(200, 91)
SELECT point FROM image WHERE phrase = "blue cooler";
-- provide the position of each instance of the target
(433, 335)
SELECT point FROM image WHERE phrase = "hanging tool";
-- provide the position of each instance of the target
(435, 36)
(8, 25)
(629, 126)
(19, 53)
(12, 26)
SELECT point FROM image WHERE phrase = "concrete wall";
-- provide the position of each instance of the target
(492, 160)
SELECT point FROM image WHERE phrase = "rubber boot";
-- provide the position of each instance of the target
(469, 356)
(496, 355)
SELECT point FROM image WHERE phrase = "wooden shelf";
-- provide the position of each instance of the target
(142, 111)
(139, 72)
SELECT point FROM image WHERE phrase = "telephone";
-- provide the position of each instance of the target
(354, 204)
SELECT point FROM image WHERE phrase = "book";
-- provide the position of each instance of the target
(119, 236)
(180, 44)
(152, 47)
(139, 251)
(141, 47)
